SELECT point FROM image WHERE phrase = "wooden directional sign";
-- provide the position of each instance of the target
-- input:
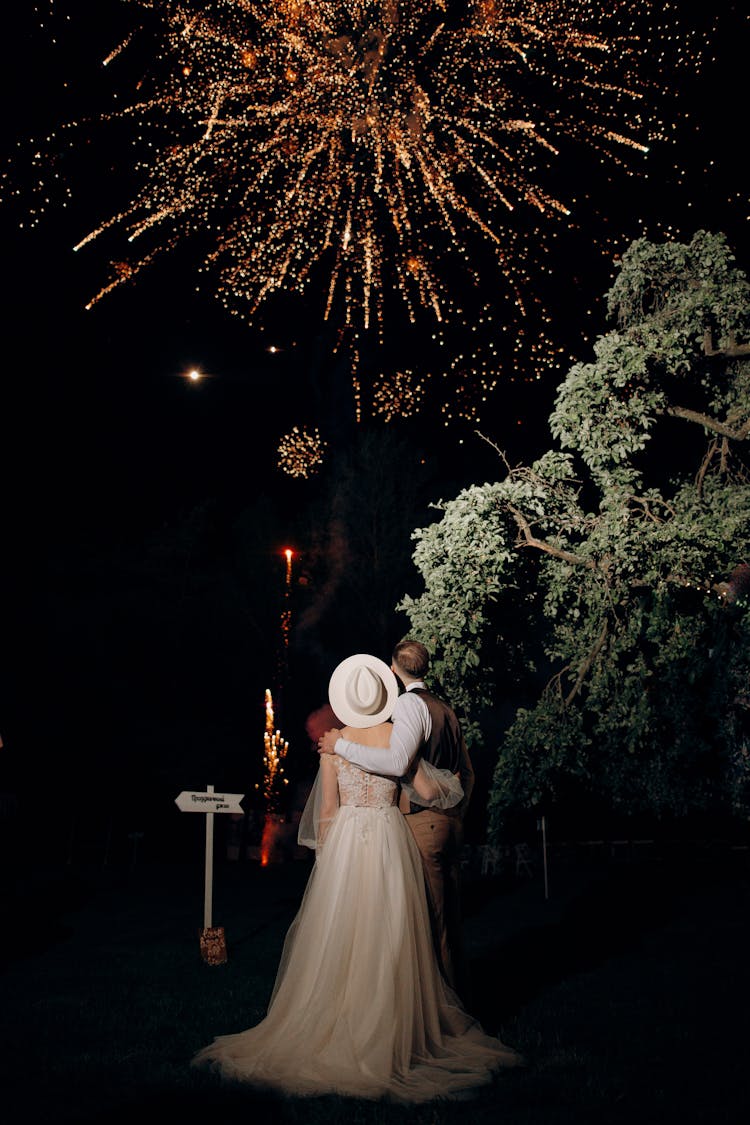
(209, 802)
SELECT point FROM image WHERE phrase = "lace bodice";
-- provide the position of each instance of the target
(356, 787)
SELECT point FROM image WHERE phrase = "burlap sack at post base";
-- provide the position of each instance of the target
(213, 945)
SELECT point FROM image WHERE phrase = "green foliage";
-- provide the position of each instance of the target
(618, 566)
(474, 537)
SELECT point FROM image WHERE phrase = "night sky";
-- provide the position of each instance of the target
(106, 445)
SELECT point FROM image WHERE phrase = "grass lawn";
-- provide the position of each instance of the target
(627, 990)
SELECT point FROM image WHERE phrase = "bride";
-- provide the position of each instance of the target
(359, 1007)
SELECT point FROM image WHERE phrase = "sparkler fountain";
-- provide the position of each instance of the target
(274, 753)
(274, 746)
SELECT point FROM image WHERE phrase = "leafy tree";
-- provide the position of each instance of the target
(623, 554)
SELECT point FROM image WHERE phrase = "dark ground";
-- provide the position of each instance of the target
(627, 990)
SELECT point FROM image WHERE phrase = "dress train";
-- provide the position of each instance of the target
(359, 1006)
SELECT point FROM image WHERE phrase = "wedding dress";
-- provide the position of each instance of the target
(359, 1007)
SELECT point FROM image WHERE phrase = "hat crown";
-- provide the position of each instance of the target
(365, 691)
(362, 691)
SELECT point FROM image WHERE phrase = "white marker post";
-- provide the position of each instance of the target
(544, 856)
(213, 944)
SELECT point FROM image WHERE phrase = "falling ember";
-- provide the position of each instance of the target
(286, 613)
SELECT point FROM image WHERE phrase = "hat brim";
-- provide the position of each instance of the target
(349, 716)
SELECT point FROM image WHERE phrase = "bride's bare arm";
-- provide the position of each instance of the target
(426, 788)
(433, 787)
(329, 800)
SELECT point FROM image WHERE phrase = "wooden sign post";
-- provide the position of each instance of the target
(212, 938)
(542, 824)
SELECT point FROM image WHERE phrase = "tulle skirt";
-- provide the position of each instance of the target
(359, 1007)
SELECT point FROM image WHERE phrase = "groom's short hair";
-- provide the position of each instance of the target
(412, 657)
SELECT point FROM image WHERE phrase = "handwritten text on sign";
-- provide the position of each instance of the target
(209, 802)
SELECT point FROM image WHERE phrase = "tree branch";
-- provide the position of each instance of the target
(732, 351)
(712, 424)
(645, 504)
(497, 449)
(713, 446)
(556, 681)
(530, 540)
(586, 664)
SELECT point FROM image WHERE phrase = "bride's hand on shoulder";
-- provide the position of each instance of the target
(327, 741)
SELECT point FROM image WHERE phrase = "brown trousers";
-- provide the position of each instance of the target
(439, 837)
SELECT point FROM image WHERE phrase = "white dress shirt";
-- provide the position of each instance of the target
(412, 726)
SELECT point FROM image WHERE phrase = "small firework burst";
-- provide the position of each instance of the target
(301, 452)
(399, 396)
(467, 399)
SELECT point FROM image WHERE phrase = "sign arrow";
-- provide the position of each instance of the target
(209, 802)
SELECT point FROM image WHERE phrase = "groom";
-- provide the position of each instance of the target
(423, 722)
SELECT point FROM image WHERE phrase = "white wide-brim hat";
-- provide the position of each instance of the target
(362, 691)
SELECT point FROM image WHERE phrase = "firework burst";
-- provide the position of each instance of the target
(398, 396)
(301, 452)
(368, 147)
(386, 162)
